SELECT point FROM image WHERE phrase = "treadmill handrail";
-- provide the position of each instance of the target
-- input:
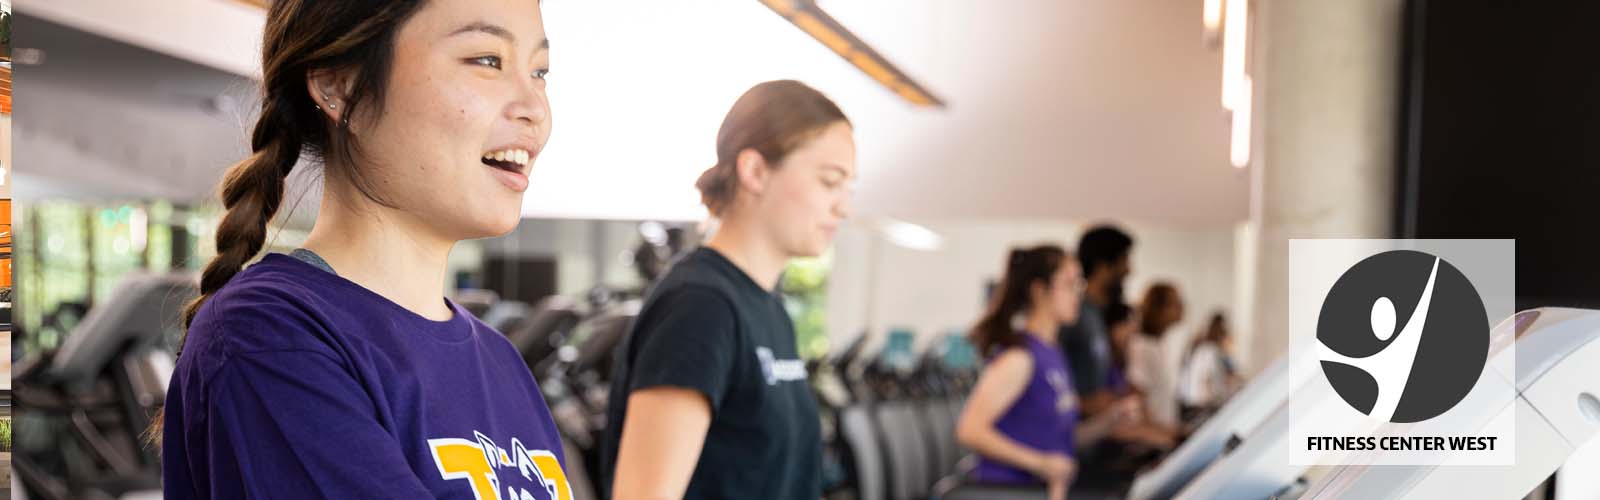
(109, 325)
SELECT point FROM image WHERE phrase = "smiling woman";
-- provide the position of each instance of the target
(337, 371)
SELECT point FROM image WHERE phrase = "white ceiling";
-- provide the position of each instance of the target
(1080, 109)
(1058, 109)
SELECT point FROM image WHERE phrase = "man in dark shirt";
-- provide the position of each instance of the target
(1103, 252)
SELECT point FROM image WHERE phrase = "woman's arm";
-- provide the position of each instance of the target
(661, 441)
(1094, 429)
(1001, 383)
(1097, 402)
(683, 354)
(1133, 427)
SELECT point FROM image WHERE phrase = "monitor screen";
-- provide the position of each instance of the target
(1500, 137)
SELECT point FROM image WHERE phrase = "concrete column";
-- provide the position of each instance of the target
(1327, 77)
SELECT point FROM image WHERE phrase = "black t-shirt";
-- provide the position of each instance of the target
(707, 326)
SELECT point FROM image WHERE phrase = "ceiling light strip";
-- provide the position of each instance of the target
(806, 15)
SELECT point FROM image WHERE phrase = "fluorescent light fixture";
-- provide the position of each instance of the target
(26, 56)
(806, 15)
(912, 236)
(1212, 19)
(1240, 153)
(1235, 42)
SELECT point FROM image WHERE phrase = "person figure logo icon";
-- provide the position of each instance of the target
(1402, 371)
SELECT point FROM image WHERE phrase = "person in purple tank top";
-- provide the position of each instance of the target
(1022, 418)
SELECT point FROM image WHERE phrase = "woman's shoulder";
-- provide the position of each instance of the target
(1010, 368)
(706, 273)
(1018, 357)
(263, 308)
(497, 341)
(701, 295)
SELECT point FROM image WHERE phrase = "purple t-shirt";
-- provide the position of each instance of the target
(1042, 418)
(1116, 381)
(296, 383)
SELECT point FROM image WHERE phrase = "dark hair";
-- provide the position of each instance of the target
(1157, 298)
(1103, 244)
(773, 118)
(301, 36)
(1024, 267)
(1216, 331)
(1117, 313)
(1217, 327)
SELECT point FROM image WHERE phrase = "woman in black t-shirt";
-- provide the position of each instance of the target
(710, 398)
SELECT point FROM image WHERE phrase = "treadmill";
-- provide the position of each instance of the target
(88, 402)
(1239, 417)
(1555, 408)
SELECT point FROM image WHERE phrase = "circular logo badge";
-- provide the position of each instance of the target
(1403, 336)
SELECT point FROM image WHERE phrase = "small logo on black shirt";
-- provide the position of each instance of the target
(779, 370)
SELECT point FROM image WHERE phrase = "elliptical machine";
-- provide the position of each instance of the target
(86, 405)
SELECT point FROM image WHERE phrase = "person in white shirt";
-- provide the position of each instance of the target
(1149, 371)
(1208, 375)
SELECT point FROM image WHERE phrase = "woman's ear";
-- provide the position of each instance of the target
(1038, 292)
(751, 167)
(330, 90)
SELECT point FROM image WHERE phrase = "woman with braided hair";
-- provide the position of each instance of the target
(340, 370)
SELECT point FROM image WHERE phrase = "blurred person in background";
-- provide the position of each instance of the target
(1136, 441)
(1023, 417)
(1208, 375)
(1149, 371)
(1103, 253)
